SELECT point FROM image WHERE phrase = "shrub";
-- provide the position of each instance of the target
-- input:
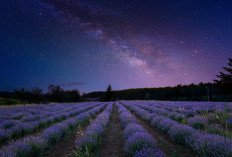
(215, 129)
(131, 129)
(53, 134)
(149, 152)
(127, 118)
(210, 145)
(179, 132)
(8, 124)
(4, 136)
(178, 117)
(190, 113)
(86, 146)
(146, 116)
(229, 123)
(137, 141)
(30, 146)
(213, 118)
(166, 124)
(198, 122)
(156, 119)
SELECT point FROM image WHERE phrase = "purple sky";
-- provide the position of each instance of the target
(88, 44)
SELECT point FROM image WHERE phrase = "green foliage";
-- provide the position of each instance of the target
(148, 96)
(9, 101)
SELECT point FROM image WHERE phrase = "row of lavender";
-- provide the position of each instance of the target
(89, 144)
(202, 143)
(36, 145)
(21, 129)
(138, 143)
(197, 107)
(215, 123)
(12, 116)
(190, 109)
(25, 112)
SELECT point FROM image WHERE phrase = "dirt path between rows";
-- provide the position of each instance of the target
(66, 146)
(164, 142)
(113, 142)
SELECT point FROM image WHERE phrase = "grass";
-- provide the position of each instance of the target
(10, 101)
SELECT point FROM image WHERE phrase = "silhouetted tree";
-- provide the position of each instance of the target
(109, 95)
(20, 94)
(36, 94)
(225, 78)
(55, 93)
(71, 96)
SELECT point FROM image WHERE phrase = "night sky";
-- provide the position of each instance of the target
(88, 44)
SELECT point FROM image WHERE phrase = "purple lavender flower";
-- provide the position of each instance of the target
(179, 132)
(4, 136)
(127, 118)
(215, 129)
(189, 113)
(53, 134)
(179, 117)
(16, 131)
(166, 124)
(137, 141)
(149, 152)
(86, 145)
(156, 119)
(17, 149)
(212, 118)
(229, 123)
(95, 130)
(146, 116)
(198, 122)
(89, 143)
(8, 124)
(210, 145)
(131, 129)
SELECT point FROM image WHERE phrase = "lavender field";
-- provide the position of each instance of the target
(125, 128)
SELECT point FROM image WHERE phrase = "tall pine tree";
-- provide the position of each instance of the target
(110, 95)
(225, 78)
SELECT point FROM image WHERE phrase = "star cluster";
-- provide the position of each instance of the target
(88, 44)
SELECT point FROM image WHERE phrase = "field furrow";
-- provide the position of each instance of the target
(65, 147)
(38, 145)
(164, 142)
(113, 141)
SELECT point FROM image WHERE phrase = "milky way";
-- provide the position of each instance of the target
(88, 44)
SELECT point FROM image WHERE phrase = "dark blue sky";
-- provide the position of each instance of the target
(88, 44)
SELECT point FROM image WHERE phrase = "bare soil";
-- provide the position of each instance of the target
(165, 143)
(113, 142)
(66, 146)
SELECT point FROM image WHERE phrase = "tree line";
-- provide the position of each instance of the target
(220, 90)
(35, 95)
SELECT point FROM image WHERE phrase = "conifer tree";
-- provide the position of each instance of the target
(225, 78)
(109, 96)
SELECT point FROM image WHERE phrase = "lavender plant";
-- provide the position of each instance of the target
(137, 141)
(198, 122)
(88, 145)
